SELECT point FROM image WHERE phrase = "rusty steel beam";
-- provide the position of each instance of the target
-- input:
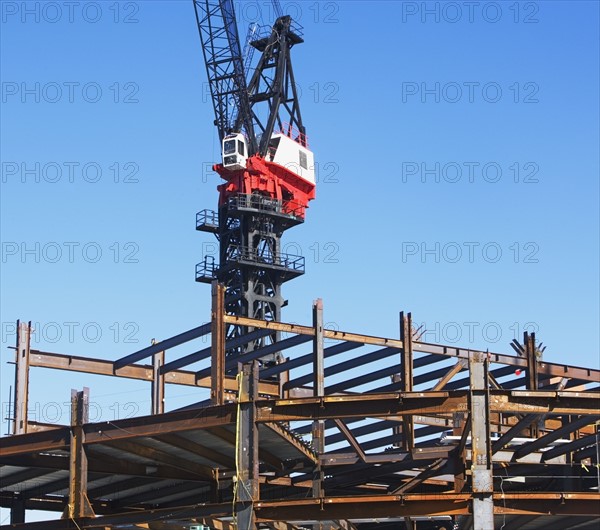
(32, 442)
(347, 433)
(514, 431)
(318, 426)
(575, 445)
(530, 353)
(458, 367)
(347, 406)
(134, 371)
(217, 349)
(407, 360)
(434, 469)
(22, 357)
(544, 368)
(425, 403)
(79, 505)
(351, 507)
(247, 483)
(306, 330)
(482, 483)
(158, 383)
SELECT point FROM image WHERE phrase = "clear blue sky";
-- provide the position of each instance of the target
(392, 96)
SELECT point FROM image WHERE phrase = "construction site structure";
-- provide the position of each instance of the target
(424, 436)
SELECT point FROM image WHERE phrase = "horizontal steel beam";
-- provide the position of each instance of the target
(544, 368)
(141, 372)
(424, 403)
(306, 330)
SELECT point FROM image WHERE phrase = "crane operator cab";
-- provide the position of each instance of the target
(282, 150)
(235, 151)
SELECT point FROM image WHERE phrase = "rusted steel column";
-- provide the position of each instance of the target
(481, 464)
(460, 428)
(408, 428)
(158, 383)
(217, 367)
(79, 505)
(533, 381)
(318, 429)
(532, 360)
(22, 377)
(247, 474)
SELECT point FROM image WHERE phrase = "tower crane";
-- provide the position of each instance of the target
(267, 169)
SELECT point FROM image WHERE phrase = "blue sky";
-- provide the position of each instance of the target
(399, 100)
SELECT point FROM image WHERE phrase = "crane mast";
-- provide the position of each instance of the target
(267, 170)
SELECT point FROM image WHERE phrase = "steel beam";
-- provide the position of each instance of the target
(514, 431)
(22, 378)
(306, 330)
(247, 483)
(481, 467)
(167, 344)
(307, 359)
(217, 366)
(134, 371)
(231, 364)
(79, 505)
(347, 433)
(158, 383)
(318, 426)
(544, 368)
(408, 426)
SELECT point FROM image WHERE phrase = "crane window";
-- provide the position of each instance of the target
(303, 160)
(228, 147)
(240, 147)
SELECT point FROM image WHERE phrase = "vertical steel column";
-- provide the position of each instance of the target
(460, 428)
(22, 378)
(79, 505)
(217, 367)
(318, 429)
(532, 360)
(481, 464)
(532, 372)
(158, 383)
(408, 428)
(247, 473)
(17, 510)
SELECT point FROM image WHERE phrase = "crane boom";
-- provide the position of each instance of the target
(224, 66)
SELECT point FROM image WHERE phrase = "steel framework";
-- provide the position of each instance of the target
(422, 436)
